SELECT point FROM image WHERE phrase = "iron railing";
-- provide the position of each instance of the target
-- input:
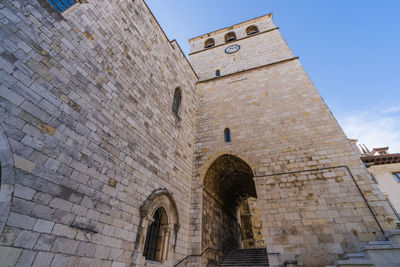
(216, 252)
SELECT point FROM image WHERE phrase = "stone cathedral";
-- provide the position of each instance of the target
(116, 150)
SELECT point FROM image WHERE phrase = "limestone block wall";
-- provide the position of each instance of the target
(280, 124)
(220, 228)
(85, 105)
(387, 183)
(256, 221)
(263, 48)
(315, 214)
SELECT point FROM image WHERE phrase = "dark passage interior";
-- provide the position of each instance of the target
(228, 183)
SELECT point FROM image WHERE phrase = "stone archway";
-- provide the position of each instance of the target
(160, 199)
(6, 178)
(227, 184)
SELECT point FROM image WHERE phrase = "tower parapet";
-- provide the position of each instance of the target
(244, 46)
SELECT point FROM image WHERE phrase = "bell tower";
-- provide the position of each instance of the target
(315, 199)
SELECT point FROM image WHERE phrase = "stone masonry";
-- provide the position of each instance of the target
(86, 98)
(318, 200)
(91, 148)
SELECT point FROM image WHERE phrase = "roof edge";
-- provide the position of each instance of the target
(183, 54)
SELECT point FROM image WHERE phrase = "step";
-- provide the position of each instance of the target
(378, 243)
(393, 236)
(383, 253)
(245, 260)
(355, 255)
(245, 257)
(355, 263)
(243, 264)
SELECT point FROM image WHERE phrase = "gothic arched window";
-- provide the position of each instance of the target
(227, 134)
(177, 100)
(217, 73)
(155, 237)
(209, 43)
(252, 30)
(230, 36)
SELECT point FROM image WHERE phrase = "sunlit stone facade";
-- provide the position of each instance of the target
(114, 149)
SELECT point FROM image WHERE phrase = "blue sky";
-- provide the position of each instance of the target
(350, 49)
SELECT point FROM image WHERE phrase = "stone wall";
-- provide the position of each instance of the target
(220, 227)
(315, 214)
(85, 103)
(256, 221)
(88, 139)
(279, 124)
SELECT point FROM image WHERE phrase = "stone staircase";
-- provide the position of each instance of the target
(246, 257)
(376, 253)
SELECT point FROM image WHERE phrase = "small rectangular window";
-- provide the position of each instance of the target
(62, 5)
(396, 176)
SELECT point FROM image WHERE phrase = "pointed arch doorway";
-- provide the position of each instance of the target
(229, 210)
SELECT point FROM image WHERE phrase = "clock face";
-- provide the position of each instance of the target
(232, 49)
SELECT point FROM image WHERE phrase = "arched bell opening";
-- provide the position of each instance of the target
(228, 183)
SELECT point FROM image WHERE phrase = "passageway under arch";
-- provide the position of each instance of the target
(227, 184)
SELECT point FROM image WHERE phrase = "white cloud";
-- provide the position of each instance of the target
(374, 129)
(390, 110)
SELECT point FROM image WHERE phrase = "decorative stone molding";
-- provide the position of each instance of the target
(160, 198)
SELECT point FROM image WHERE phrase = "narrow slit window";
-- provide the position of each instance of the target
(217, 73)
(177, 100)
(62, 5)
(227, 134)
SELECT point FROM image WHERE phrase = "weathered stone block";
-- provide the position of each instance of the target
(65, 245)
(9, 235)
(24, 192)
(61, 204)
(21, 221)
(86, 249)
(65, 231)
(61, 261)
(26, 259)
(43, 226)
(26, 239)
(43, 259)
(9, 256)
(45, 242)
(10, 96)
(23, 164)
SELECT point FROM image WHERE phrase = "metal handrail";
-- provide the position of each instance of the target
(197, 255)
